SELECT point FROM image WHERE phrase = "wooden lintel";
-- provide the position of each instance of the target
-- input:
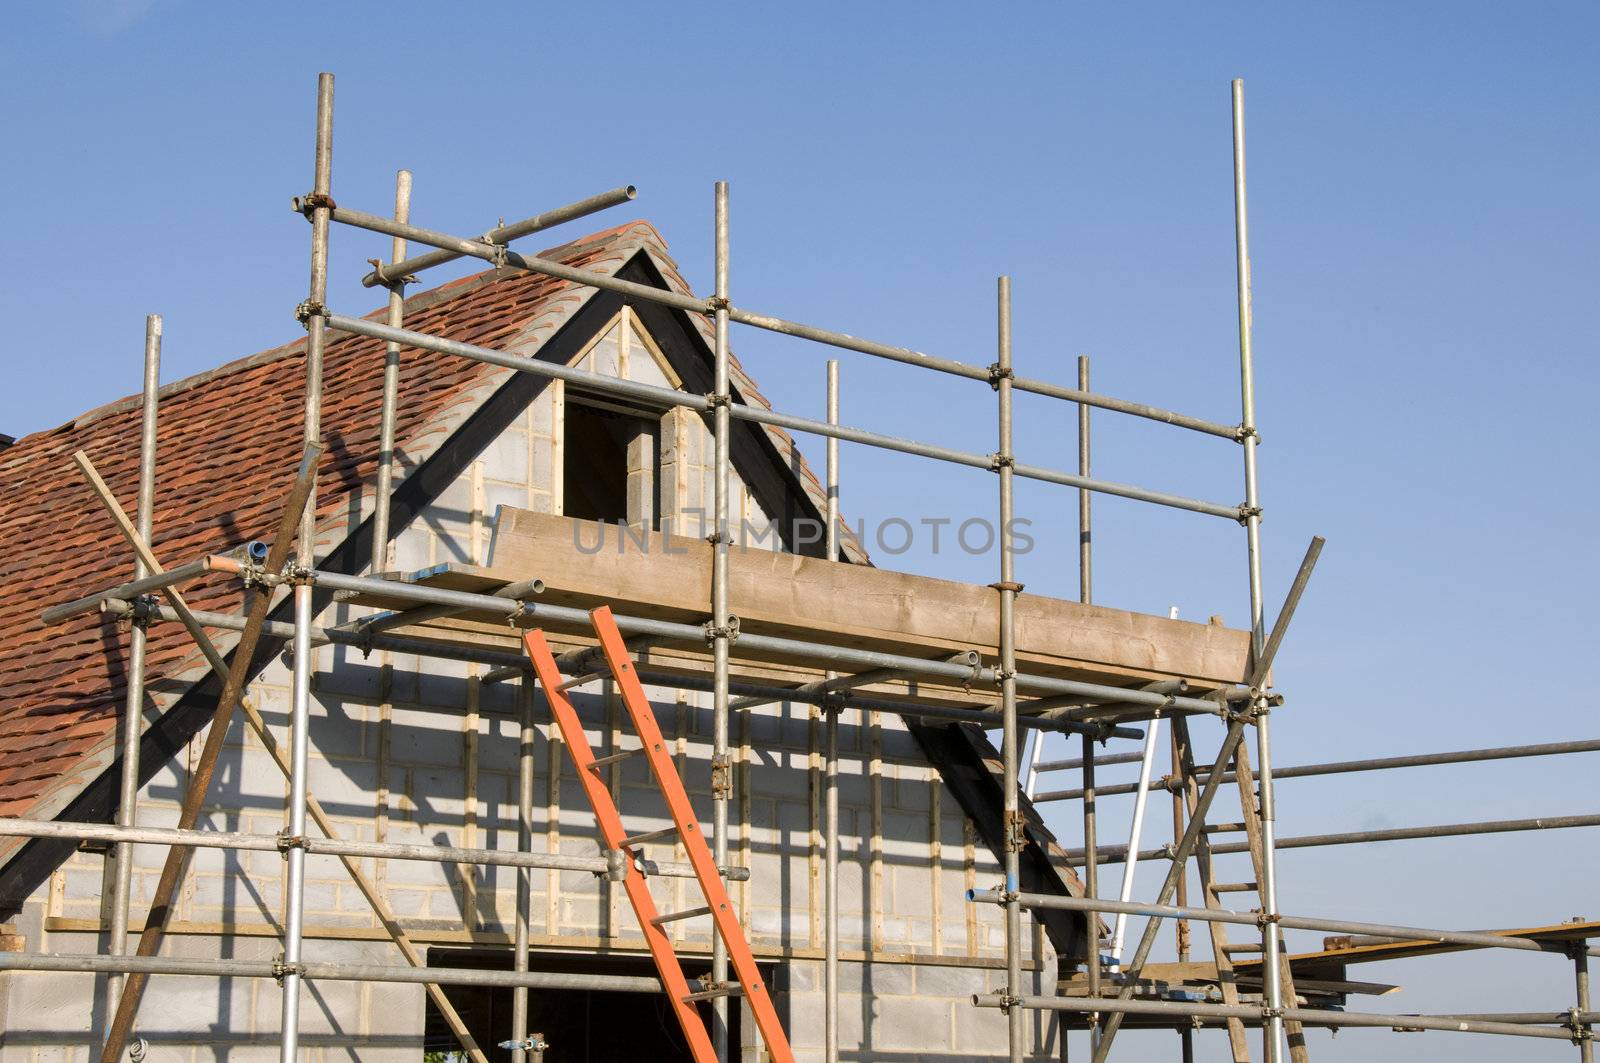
(584, 564)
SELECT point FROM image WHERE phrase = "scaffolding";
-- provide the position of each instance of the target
(1036, 703)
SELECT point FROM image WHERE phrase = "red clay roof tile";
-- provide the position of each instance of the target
(229, 441)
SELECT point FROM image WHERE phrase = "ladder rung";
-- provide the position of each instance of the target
(689, 913)
(613, 758)
(1224, 828)
(1243, 946)
(728, 989)
(578, 681)
(649, 836)
(1234, 887)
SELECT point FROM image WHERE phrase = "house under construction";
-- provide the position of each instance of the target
(491, 675)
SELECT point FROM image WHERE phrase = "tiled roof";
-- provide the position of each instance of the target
(229, 441)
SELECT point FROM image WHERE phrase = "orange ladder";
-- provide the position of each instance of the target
(718, 906)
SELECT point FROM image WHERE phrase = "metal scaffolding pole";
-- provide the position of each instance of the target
(519, 961)
(385, 275)
(1091, 878)
(332, 845)
(1261, 667)
(1116, 854)
(721, 767)
(1179, 1009)
(133, 710)
(1272, 1032)
(830, 770)
(300, 713)
(1582, 1031)
(1181, 927)
(391, 382)
(1091, 886)
(77, 963)
(1386, 931)
(1007, 588)
(1341, 767)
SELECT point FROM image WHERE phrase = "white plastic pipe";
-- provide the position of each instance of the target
(1136, 831)
(1030, 762)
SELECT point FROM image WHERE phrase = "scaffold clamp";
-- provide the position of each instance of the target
(281, 970)
(395, 284)
(729, 631)
(1016, 830)
(308, 309)
(305, 205)
(536, 1043)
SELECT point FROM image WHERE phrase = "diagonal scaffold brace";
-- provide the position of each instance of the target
(1261, 669)
(232, 691)
(220, 666)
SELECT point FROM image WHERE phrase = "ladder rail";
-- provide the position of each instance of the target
(1246, 779)
(1226, 982)
(609, 820)
(662, 767)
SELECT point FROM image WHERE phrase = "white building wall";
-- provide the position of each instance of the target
(422, 751)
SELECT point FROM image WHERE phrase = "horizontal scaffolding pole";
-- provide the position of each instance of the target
(1117, 854)
(438, 854)
(501, 256)
(492, 251)
(132, 589)
(669, 397)
(240, 840)
(843, 657)
(1340, 767)
(513, 593)
(982, 717)
(1099, 762)
(511, 661)
(1135, 409)
(399, 272)
(338, 636)
(328, 972)
(1181, 1009)
(1387, 931)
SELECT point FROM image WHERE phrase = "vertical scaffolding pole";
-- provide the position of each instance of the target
(1085, 497)
(133, 711)
(830, 894)
(1580, 971)
(1272, 1029)
(1180, 926)
(299, 743)
(391, 383)
(1091, 870)
(519, 962)
(1091, 883)
(1007, 588)
(721, 771)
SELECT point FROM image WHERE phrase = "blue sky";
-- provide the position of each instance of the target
(1424, 226)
